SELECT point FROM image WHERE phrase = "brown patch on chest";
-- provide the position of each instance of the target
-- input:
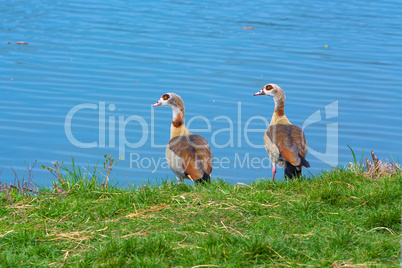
(279, 112)
(178, 120)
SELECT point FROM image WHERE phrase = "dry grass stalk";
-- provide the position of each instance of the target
(25, 188)
(151, 209)
(5, 190)
(350, 265)
(57, 169)
(108, 166)
(376, 168)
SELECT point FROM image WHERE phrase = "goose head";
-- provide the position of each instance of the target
(170, 99)
(272, 90)
(173, 101)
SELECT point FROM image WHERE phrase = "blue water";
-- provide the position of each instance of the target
(338, 62)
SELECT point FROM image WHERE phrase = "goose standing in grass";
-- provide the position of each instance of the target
(188, 156)
(285, 143)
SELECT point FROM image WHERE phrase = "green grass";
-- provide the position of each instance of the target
(337, 218)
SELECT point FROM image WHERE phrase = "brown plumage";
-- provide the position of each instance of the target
(189, 156)
(285, 143)
(195, 153)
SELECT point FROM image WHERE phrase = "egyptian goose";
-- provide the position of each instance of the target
(285, 143)
(188, 156)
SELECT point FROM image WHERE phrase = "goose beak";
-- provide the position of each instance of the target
(261, 92)
(158, 103)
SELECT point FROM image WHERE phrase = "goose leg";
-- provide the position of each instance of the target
(273, 171)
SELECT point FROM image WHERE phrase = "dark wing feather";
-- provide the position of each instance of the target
(196, 154)
(290, 141)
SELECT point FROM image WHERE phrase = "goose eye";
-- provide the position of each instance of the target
(269, 87)
(165, 97)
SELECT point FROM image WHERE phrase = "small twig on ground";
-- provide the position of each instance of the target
(56, 173)
(20, 187)
(5, 190)
(110, 164)
(376, 168)
(23, 187)
(15, 176)
(375, 161)
(30, 176)
(57, 169)
(17, 182)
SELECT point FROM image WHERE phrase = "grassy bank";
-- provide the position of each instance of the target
(337, 218)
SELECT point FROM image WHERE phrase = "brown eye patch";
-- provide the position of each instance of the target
(269, 87)
(165, 97)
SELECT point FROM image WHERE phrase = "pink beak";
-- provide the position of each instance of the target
(261, 92)
(158, 103)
